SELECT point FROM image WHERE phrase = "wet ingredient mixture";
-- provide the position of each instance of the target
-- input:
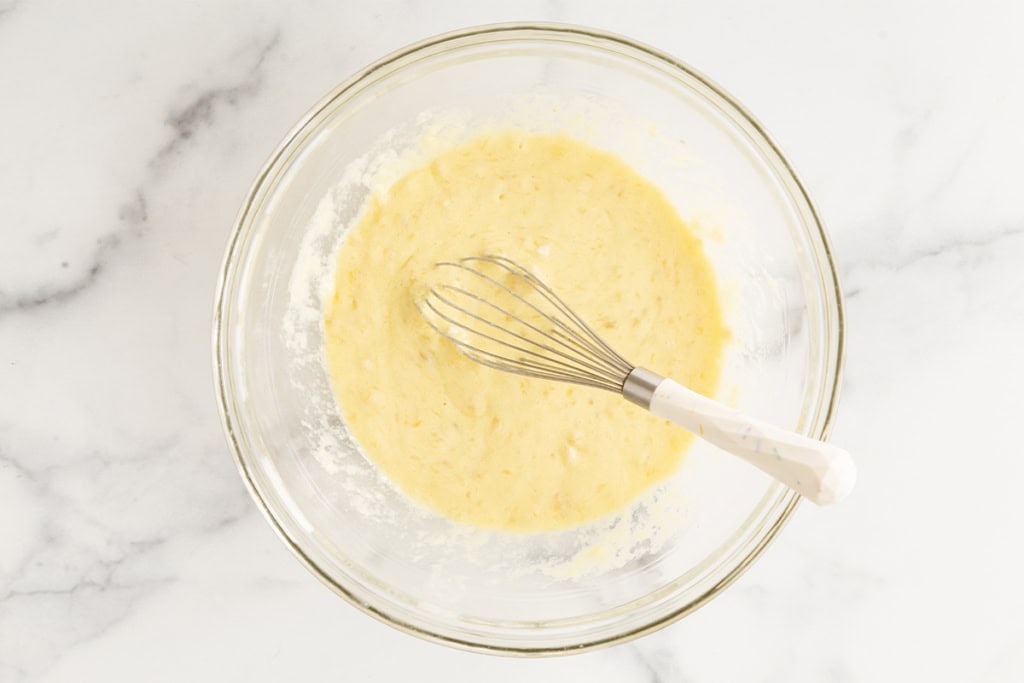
(492, 449)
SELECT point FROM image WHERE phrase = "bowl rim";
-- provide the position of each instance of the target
(258, 188)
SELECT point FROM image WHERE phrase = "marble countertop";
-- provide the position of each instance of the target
(129, 549)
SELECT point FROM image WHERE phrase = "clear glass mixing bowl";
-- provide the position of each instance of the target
(556, 592)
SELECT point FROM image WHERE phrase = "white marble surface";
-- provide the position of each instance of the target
(129, 550)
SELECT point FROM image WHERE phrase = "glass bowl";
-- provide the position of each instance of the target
(687, 538)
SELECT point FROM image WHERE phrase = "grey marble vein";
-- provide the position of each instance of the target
(984, 241)
(7, 8)
(132, 220)
(87, 560)
(898, 259)
(91, 609)
(202, 109)
(97, 587)
(185, 121)
(54, 295)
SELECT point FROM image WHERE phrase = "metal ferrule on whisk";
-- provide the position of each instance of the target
(640, 385)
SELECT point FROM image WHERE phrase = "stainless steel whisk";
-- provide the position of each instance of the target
(500, 315)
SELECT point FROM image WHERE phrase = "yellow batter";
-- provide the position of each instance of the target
(497, 450)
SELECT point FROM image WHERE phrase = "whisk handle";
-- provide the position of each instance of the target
(817, 470)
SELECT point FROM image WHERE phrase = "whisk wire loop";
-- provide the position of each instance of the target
(494, 335)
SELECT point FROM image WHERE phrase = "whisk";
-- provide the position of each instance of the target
(500, 315)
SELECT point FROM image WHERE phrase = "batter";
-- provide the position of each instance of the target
(485, 447)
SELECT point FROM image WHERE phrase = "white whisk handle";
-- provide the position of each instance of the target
(816, 470)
